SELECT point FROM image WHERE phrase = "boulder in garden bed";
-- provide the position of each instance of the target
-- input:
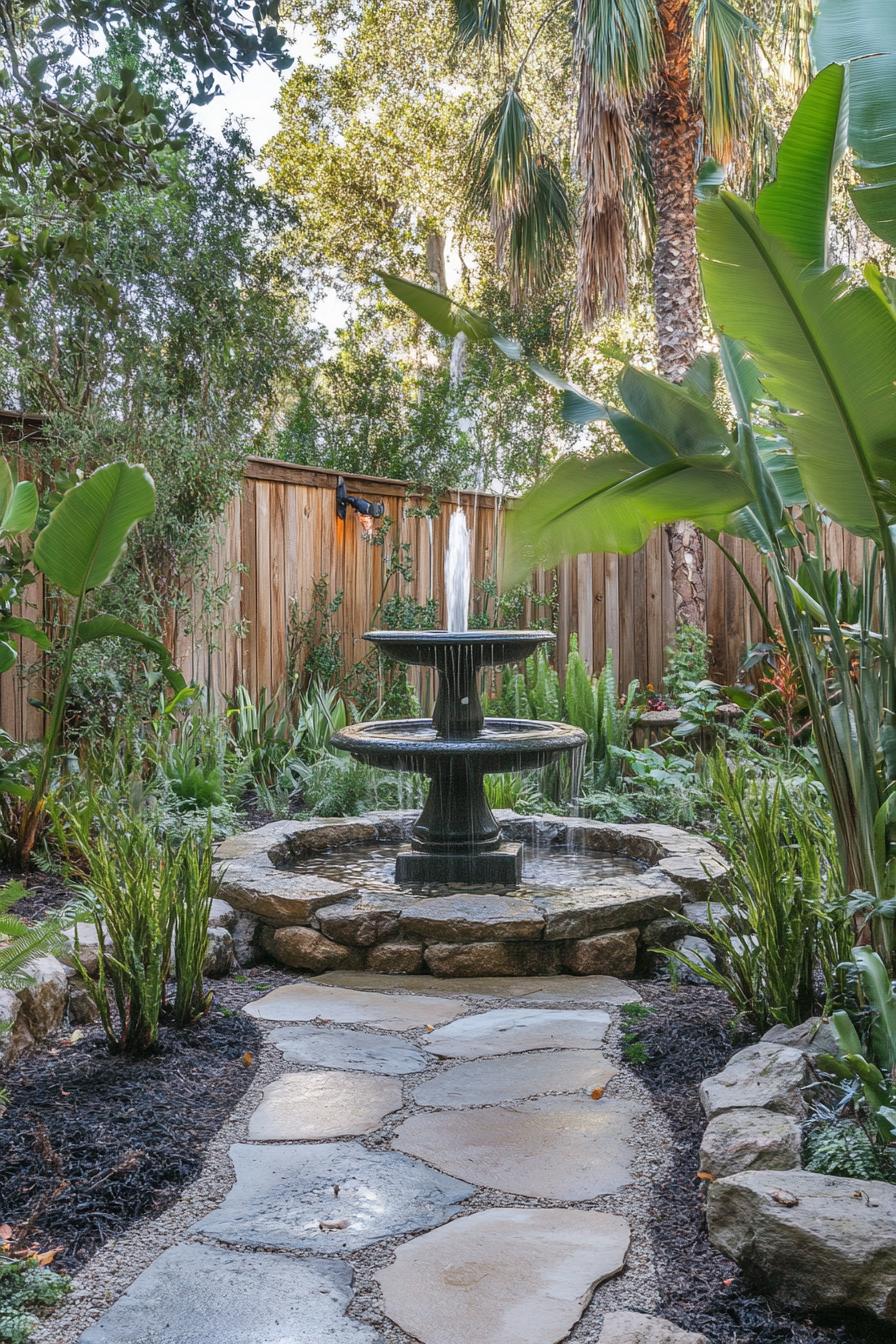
(750, 1138)
(813, 1242)
(43, 998)
(765, 1074)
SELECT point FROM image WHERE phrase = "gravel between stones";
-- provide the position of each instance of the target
(115, 1267)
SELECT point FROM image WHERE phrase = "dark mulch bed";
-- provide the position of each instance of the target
(92, 1141)
(46, 892)
(687, 1039)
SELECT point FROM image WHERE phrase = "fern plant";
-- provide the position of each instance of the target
(21, 943)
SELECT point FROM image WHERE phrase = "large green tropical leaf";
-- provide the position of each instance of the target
(824, 352)
(81, 544)
(18, 503)
(110, 627)
(796, 206)
(681, 414)
(612, 503)
(451, 319)
(862, 33)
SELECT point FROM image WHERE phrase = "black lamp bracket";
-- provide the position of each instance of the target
(363, 506)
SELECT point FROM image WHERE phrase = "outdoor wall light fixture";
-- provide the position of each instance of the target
(362, 506)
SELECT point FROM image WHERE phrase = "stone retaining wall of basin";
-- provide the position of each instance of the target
(313, 923)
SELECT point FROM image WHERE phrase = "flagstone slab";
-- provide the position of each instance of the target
(304, 1002)
(323, 1105)
(329, 1197)
(533, 988)
(485, 1082)
(503, 1276)
(504, 1031)
(563, 1148)
(194, 1293)
(361, 1050)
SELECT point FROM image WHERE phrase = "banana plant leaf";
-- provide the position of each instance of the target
(110, 627)
(823, 351)
(613, 503)
(18, 503)
(796, 206)
(81, 544)
(452, 319)
(862, 34)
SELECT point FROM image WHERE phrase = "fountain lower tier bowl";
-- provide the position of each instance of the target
(456, 837)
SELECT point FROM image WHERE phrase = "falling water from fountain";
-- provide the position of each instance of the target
(457, 572)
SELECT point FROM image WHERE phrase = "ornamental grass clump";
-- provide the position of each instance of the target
(149, 902)
(779, 945)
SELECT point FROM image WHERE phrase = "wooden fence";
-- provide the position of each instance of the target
(281, 533)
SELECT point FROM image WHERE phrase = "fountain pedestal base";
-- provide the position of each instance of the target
(500, 867)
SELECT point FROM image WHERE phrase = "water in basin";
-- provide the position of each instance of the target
(545, 867)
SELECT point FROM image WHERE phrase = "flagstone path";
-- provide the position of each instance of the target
(449, 1162)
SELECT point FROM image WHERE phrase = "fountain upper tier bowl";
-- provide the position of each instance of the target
(456, 837)
(458, 657)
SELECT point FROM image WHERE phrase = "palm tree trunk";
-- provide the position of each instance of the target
(673, 126)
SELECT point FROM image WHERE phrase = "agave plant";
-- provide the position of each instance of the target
(810, 363)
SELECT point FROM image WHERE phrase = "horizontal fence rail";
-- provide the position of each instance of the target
(281, 533)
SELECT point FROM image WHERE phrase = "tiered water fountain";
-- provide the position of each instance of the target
(456, 837)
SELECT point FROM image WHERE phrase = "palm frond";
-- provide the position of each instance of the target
(793, 24)
(540, 230)
(523, 192)
(604, 162)
(726, 75)
(622, 42)
(501, 156)
(480, 22)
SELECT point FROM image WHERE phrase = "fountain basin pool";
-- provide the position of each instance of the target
(319, 895)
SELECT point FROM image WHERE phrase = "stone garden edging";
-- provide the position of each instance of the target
(813, 1242)
(311, 923)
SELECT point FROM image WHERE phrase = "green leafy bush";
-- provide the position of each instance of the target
(687, 663)
(25, 1285)
(843, 1147)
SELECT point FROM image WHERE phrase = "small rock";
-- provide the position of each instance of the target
(814, 1037)
(631, 1327)
(219, 955)
(484, 959)
(87, 949)
(222, 916)
(15, 1038)
(307, 950)
(698, 949)
(604, 954)
(766, 1075)
(82, 1009)
(244, 932)
(815, 1243)
(750, 1138)
(396, 958)
(43, 998)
